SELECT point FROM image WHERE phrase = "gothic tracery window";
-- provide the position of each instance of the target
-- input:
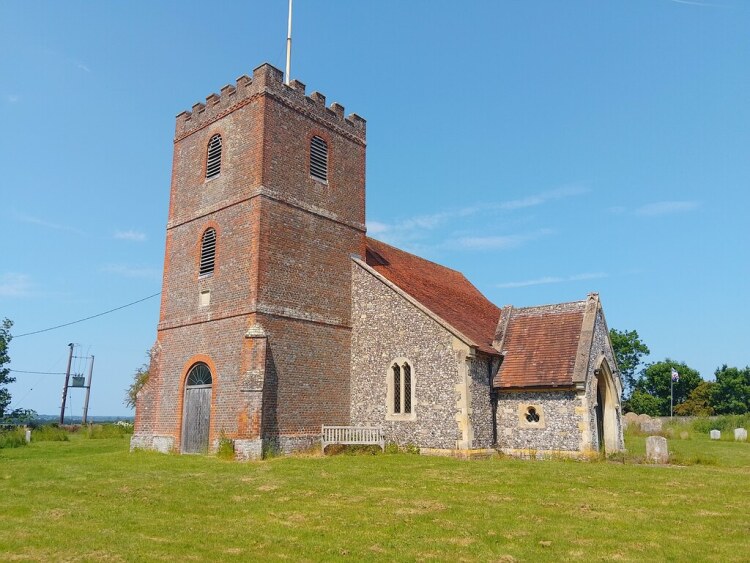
(401, 389)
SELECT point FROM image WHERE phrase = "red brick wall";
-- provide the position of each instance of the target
(283, 247)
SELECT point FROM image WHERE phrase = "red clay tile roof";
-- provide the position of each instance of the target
(445, 292)
(540, 346)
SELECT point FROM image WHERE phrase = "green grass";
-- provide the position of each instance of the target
(90, 500)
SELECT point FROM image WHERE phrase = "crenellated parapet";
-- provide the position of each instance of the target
(268, 80)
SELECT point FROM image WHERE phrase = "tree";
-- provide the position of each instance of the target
(5, 378)
(641, 402)
(628, 350)
(656, 378)
(140, 379)
(731, 394)
(699, 402)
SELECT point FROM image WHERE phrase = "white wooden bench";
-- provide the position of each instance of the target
(353, 435)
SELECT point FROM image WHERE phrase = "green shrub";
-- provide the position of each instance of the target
(49, 433)
(97, 431)
(726, 424)
(14, 438)
(226, 448)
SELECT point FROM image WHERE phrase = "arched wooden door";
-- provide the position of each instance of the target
(196, 416)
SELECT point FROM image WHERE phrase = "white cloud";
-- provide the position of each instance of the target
(497, 242)
(697, 3)
(82, 66)
(12, 98)
(14, 285)
(666, 208)
(376, 227)
(553, 279)
(132, 235)
(413, 227)
(131, 271)
(23, 218)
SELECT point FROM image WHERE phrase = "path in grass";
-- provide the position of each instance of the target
(92, 500)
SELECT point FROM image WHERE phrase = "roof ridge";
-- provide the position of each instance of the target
(579, 302)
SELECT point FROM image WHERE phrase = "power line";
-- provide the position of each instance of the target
(38, 372)
(87, 318)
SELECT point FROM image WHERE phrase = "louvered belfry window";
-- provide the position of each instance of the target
(208, 252)
(319, 159)
(213, 161)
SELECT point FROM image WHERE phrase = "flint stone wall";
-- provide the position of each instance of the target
(481, 408)
(387, 326)
(560, 430)
(600, 345)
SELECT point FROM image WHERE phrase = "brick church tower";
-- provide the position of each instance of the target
(267, 206)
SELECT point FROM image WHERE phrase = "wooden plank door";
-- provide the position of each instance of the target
(196, 419)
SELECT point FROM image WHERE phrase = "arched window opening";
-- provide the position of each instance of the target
(208, 252)
(407, 388)
(196, 415)
(400, 390)
(396, 389)
(213, 160)
(319, 159)
(199, 374)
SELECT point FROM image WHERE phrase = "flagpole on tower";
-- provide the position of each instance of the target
(289, 46)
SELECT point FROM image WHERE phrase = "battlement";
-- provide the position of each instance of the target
(268, 80)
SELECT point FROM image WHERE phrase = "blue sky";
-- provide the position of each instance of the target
(546, 149)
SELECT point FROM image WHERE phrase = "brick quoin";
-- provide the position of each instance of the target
(283, 262)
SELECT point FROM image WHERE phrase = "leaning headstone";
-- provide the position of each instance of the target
(740, 435)
(656, 449)
(715, 434)
(651, 426)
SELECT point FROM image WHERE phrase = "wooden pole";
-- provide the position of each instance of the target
(88, 392)
(65, 387)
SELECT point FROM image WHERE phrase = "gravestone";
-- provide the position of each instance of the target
(656, 449)
(630, 418)
(651, 426)
(740, 435)
(715, 434)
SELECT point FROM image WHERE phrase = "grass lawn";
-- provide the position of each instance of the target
(89, 500)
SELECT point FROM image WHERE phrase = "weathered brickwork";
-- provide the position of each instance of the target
(559, 431)
(387, 326)
(282, 266)
(302, 318)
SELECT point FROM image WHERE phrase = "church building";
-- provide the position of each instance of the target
(280, 315)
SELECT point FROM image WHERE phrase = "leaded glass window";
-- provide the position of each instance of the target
(401, 389)
(396, 389)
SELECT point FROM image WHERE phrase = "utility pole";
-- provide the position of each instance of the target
(65, 388)
(88, 391)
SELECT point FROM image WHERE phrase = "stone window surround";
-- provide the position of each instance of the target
(390, 415)
(523, 409)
